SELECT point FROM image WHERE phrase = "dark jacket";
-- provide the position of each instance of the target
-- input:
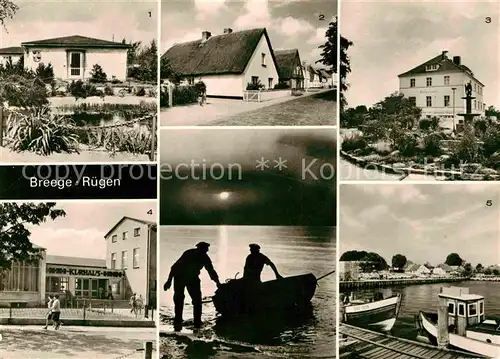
(254, 265)
(189, 265)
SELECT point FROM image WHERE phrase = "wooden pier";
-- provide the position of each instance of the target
(367, 344)
(381, 283)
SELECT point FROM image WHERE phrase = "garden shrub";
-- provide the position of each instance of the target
(41, 132)
(467, 149)
(425, 124)
(432, 144)
(281, 86)
(164, 98)
(407, 144)
(97, 74)
(491, 140)
(45, 73)
(382, 147)
(255, 86)
(21, 91)
(183, 95)
(481, 125)
(108, 91)
(80, 89)
(141, 92)
(353, 142)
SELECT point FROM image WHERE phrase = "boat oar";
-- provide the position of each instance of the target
(326, 275)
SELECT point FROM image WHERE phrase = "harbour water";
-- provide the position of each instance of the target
(294, 251)
(425, 297)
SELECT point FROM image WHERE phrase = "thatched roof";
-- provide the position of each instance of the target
(220, 54)
(287, 61)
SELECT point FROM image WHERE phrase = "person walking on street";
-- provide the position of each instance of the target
(56, 312)
(185, 274)
(254, 264)
(49, 314)
(110, 293)
(133, 304)
(202, 92)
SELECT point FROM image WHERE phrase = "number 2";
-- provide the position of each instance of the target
(321, 17)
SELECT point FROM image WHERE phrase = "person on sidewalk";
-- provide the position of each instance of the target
(110, 293)
(185, 273)
(133, 304)
(56, 312)
(49, 314)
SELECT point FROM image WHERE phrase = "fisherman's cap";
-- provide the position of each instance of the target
(254, 246)
(203, 245)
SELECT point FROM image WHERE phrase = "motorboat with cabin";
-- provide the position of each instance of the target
(377, 313)
(460, 323)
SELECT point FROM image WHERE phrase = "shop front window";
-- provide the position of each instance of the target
(57, 284)
(21, 277)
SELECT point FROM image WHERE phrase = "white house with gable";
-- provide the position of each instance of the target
(430, 87)
(73, 57)
(226, 63)
(12, 54)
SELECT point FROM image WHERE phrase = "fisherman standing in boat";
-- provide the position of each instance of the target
(255, 262)
(185, 273)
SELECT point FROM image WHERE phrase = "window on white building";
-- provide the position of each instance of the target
(255, 80)
(475, 105)
(428, 100)
(125, 235)
(114, 238)
(447, 80)
(270, 82)
(137, 232)
(113, 260)
(413, 100)
(429, 81)
(263, 59)
(21, 277)
(136, 257)
(190, 81)
(124, 259)
(475, 87)
(432, 67)
(412, 82)
(446, 101)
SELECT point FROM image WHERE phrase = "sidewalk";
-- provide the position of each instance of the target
(217, 109)
(34, 342)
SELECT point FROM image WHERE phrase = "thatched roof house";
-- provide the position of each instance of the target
(289, 67)
(226, 62)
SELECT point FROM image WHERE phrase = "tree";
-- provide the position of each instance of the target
(142, 61)
(97, 74)
(496, 272)
(372, 261)
(398, 262)
(453, 259)
(479, 268)
(15, 242)
(488, 271)
(329, 58)
(167, 72)
(492, 111)
(467, 270)
(7, 11)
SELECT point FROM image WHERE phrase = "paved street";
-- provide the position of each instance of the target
(217, 109)
(34, 342)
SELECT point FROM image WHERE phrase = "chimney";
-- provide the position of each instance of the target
(205, 35)
(228, 30)
(456, 60)
(443, 55)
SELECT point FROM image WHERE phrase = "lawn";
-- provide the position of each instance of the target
(314, 110)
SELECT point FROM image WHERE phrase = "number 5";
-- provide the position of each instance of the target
(489, 203)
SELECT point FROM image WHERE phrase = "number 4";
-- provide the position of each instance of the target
(150, 212)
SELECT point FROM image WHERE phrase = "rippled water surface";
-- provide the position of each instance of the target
(294, 250)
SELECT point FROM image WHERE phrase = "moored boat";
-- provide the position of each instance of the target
(241, 297)
(463, 324)
(379, 314)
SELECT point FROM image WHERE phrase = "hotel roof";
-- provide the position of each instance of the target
(75, 41)
(76, 261)
(149, 223)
